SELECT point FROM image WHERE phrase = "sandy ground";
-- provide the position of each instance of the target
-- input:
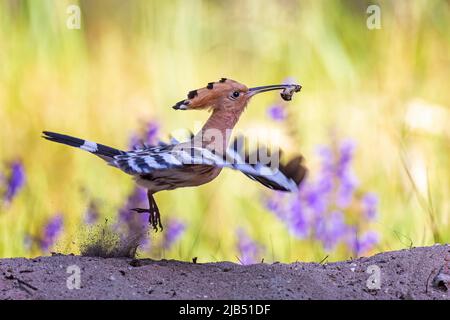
(418, 273)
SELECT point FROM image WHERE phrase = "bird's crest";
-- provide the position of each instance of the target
(208, 96)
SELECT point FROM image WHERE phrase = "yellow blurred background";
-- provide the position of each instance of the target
(130, 61)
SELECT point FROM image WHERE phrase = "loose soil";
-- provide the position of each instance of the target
(417, 273)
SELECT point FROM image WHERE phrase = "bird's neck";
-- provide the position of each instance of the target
(216, 132)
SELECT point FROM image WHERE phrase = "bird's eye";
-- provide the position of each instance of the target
(236, 94)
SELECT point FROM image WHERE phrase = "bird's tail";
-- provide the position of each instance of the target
(104, 152)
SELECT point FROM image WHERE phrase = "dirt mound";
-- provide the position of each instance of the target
(418, 273)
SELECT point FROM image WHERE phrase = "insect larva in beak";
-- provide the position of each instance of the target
(288, 92)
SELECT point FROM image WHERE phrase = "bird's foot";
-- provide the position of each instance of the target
(154, 218)
(157, 221)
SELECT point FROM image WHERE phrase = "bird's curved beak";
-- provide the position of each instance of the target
(288, 90)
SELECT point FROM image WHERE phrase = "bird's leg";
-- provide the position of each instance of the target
(154, 217)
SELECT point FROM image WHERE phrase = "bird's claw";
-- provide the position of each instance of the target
(154, 219)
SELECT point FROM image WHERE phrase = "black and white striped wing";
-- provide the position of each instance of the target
(272, 178)
(146, 161)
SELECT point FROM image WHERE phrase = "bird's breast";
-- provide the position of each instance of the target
(169, 179)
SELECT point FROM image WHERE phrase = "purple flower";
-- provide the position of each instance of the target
(250, 252)
(276, 204)
(346, 188)
(330, 229)
(325, 180)
(148, 138)
(137, 199)
(277, 112)
(362, 244)
(344, 173)
(368, 241)
(131, 223)
(345, 156)
(336, 174)
(273, 205)
(51, 231)
(315, 197)
(173, 232)
(320, 207)
(152, 133)
(298, 224)
(15, 181)
(370, 204)
(135, 142)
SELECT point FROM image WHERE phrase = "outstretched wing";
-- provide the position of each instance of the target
(148, 160)
(276, 176)
(294, 171)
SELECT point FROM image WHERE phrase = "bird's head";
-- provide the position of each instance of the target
(229, 95)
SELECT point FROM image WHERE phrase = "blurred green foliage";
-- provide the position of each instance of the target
(131, 60)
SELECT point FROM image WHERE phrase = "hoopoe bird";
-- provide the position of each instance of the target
(201, 159)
